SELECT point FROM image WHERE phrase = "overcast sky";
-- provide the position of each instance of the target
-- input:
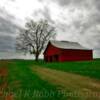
(75, 20)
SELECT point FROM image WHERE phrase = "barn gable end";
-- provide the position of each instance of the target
(51, 53)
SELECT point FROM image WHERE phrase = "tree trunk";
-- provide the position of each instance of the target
(36, 57)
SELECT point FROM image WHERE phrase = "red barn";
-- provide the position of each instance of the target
(60, 51)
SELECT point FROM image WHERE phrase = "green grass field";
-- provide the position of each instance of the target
(25, 84)
(86, 68)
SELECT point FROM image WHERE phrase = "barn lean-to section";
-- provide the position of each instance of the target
(60, 51)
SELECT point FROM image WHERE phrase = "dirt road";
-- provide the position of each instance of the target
(81, 87)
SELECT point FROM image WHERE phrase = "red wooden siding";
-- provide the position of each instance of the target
(53, 53)
(76, 55)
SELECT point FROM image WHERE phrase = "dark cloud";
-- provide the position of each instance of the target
(84, 24)
(6, 43)
(63, 2)
(7, 24)
(60, 2)
(63, 27)
(85, 27)
(7, 31)
(88, 24)
(7, 27)
(97, 4)
(72, 2)
(45, 13)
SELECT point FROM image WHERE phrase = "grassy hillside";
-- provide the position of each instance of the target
(87, 68)
(24, 84)
(19, 81)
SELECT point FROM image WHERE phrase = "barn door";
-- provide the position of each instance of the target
(56, 58)
(50, 58)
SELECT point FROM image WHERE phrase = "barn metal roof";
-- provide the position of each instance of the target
(67, 45)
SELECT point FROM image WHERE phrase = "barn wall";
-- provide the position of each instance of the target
(51, 52)
(76, 55)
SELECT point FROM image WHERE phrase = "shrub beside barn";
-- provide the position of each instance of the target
(60, 51)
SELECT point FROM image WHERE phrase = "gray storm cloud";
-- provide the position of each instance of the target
(75, 20)
(6, 43)
(86, 24)
(7, 32)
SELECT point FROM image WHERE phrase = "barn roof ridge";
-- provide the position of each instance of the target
(67, 45)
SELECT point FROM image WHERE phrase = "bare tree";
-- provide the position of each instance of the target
(35, 37)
